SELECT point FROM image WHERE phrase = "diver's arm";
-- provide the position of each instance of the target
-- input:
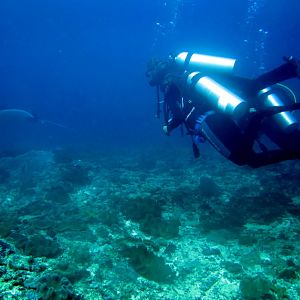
(172, 101)
(289, 69)
(172, 123)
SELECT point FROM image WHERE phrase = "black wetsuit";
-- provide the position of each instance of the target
(234, 141)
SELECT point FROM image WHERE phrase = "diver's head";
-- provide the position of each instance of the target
(156, 71)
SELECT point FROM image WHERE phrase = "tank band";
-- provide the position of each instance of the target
(187, 60)
(195, 79)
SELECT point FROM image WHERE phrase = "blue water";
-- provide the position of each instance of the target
(130, 214)
(81, 63)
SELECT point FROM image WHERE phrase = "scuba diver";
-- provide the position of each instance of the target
(249, 121)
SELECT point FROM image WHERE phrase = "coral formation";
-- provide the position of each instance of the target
(120, 228)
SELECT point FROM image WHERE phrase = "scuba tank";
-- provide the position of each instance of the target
(204, 63)
(219, 97)
(200, 86)
(285, 121)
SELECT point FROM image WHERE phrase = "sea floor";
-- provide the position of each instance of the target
(156, 225)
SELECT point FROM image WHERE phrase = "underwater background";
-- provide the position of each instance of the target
(96, 202)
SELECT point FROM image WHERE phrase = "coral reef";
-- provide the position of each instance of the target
(147, 227)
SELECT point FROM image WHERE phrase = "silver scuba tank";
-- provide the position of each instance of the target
(285, 120)
(204, 63)
(219, 97)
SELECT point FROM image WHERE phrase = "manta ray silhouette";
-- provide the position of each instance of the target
(14, 115)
